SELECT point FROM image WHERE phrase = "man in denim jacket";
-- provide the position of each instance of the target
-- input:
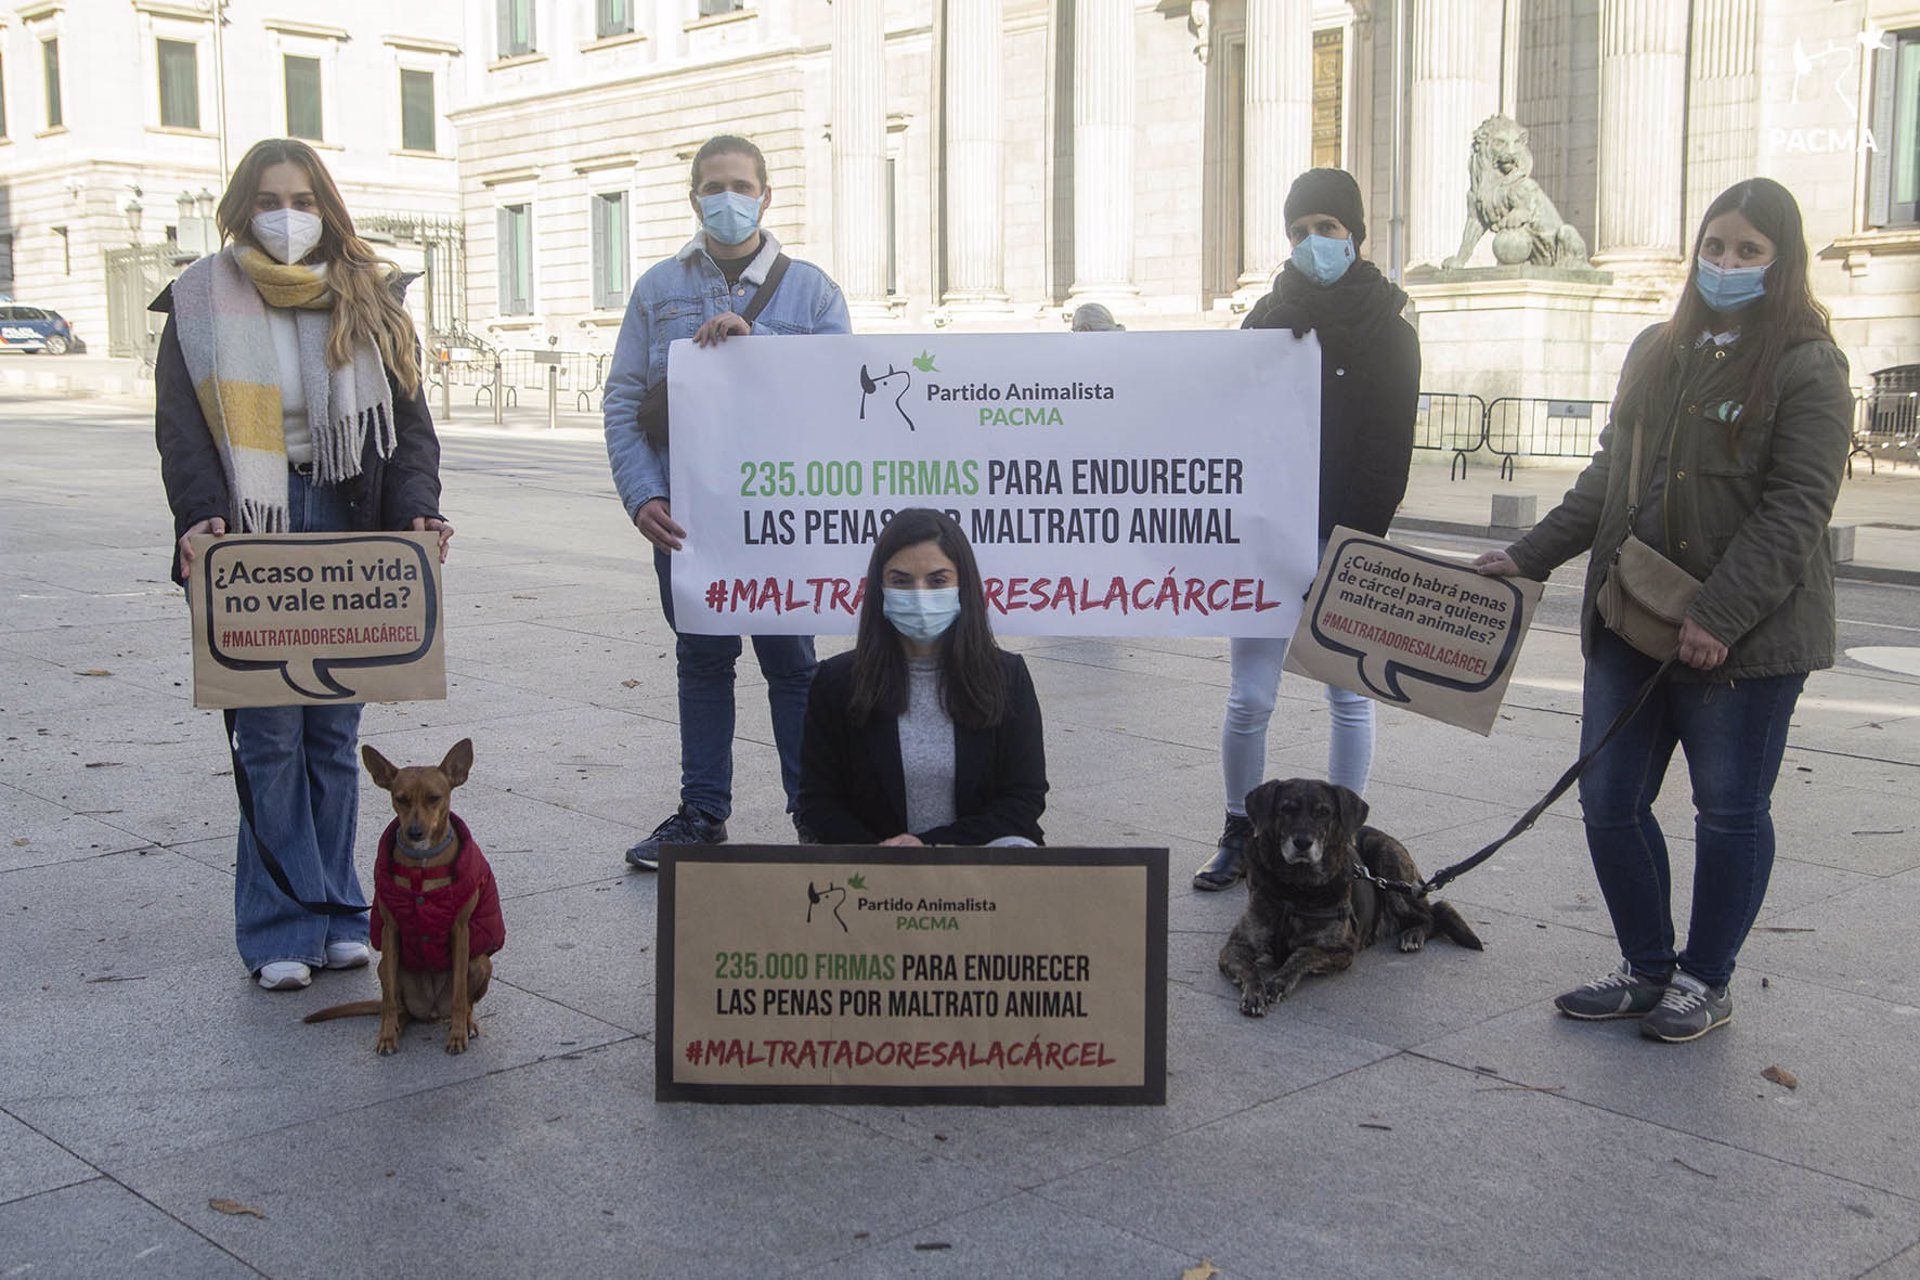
(698, 294)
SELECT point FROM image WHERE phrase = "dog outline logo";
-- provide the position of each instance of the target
(837, 894)
(870, 385)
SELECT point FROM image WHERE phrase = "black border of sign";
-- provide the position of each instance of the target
(1152, 1092)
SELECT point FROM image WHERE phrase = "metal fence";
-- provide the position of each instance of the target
(497, 379)
(1537, 427)
(1448, 421)
(1886, 425)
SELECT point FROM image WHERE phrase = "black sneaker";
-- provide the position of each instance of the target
(1619, 994)
(686, 826)
(1689, 1009)
(1224, 868)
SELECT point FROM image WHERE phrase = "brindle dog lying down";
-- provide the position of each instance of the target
(1306, 913)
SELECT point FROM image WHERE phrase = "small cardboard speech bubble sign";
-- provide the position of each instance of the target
(303, 619)
(1413, 629)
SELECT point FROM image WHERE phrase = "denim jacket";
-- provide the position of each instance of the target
(671, 301)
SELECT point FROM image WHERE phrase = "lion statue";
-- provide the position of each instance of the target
(1505, 200)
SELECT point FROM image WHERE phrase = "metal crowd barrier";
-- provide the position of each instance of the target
(1537, 427)
(1444, 420)
(1886, 424)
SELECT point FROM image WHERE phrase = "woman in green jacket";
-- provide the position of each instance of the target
(1746, 415)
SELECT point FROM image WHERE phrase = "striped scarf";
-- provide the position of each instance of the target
(220, 315)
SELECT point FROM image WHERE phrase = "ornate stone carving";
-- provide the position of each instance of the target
(1505, 200)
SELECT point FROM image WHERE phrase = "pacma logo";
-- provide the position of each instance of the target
(872, 385)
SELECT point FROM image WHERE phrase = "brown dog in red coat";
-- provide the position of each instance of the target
(437, 918)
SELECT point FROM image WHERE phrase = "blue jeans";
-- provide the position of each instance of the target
(306, 794)
(705, 665)
(1250, 702)
(1734, 735)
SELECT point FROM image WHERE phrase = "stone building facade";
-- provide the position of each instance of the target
(990, 163)
(120, 118)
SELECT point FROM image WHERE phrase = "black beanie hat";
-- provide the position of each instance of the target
(1329, 191)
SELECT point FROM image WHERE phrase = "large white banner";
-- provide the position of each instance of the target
(1115, 484)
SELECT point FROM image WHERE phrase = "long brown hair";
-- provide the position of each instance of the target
(365, 306)
(973, 688)
(1786, 314)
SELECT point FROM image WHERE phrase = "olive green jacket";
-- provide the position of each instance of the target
(1747, 514)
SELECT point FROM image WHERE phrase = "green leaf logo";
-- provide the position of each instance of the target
(924, 362)
(856, 882)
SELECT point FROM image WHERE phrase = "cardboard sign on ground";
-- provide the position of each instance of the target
(308, 619)
(1413, 629)
(861, 974)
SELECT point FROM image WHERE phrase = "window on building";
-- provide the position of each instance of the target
(304, 116)
(610, 262)
(515, 232)
(1893, 180)
(714, 8)
(179, 85)
(6, 263)
(50, 65)
(66, 251)
(3, 97)
(1328, 93)
(612, 18)
(516, 27)
(416, 111)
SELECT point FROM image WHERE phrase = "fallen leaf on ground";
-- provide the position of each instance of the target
(234, 1209)
(95, 671)
(931, 1246)
(629, 684)
(1783, 1077)
(1205, 1271)
(21, 842)
(1369, 1124)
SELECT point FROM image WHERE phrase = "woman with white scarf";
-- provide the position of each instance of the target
(289, 400)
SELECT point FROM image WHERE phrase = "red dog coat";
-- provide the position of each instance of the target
(424, 918)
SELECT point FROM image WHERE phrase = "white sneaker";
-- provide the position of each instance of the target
(285, 975)
(348, 955)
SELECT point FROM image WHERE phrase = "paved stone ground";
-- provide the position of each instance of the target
(1421, 1115)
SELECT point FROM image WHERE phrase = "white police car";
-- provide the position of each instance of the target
(36, 329)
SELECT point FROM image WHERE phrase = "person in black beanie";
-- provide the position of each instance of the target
(1369, 386)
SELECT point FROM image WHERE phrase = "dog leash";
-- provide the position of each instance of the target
(275, 871)
(1444, 875)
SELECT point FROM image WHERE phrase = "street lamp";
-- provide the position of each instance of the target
(133, 211)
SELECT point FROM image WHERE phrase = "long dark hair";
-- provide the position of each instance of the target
(973, 688)
(1787, 314)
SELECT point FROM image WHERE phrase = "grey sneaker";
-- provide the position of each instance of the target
(686, 826)
(1620, 994)
(1688, 1010)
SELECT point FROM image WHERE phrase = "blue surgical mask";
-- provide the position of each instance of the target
(921, 616)
(1323, 259)
(729, 217)
(1730, 288)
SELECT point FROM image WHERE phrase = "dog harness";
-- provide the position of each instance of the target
(424, 917)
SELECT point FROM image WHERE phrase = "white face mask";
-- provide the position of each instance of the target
(287, 234)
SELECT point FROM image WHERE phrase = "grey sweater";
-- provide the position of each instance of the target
(926, 749)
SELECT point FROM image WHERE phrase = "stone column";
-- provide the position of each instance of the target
(1723, 103)
(860, 152)
(1279, 130)
(1455, 57)
(1103, 58)
(974, 189)
(1643, 114)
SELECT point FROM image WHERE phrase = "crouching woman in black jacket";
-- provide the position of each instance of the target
(288, 399)
(927, 732)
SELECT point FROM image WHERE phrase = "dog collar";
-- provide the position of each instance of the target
(429, 854)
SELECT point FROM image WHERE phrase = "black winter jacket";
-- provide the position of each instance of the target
(853, 790)
(388, 493)
(1369, 388)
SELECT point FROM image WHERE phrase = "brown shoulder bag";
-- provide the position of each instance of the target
(1645, 596)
